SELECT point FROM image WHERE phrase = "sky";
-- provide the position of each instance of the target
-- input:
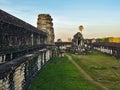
(100, 18)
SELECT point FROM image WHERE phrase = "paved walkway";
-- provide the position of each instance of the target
(85, 75)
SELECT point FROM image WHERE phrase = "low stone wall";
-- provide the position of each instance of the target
(112, 49)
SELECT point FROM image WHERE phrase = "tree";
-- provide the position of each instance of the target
(69, 40)
(81, 28)
(59, 40)
(106, 40)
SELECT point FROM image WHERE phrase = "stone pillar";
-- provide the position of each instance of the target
(44, 23)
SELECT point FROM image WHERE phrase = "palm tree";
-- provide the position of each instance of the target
(81, 28)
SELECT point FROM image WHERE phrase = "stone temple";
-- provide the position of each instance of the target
(78, 43)
(44, 23)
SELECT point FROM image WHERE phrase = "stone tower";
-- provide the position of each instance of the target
(44, 23)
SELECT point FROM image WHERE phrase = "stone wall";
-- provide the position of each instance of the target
(45, 23)
(23, 52)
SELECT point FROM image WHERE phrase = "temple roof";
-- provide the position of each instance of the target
(78, 34)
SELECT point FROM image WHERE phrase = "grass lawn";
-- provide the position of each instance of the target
(60, 74)
(102, 68)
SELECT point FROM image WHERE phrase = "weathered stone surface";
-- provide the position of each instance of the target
(78, 43)
(23, 52)
(17, 35)
(45, 23)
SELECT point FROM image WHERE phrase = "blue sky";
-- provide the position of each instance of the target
(100, 18)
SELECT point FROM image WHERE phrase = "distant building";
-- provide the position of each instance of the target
(114, 39)
(109, 39)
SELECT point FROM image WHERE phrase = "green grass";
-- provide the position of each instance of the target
(60, 74)
(102, 68)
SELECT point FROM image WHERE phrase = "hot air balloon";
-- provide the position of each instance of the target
(81, 28)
